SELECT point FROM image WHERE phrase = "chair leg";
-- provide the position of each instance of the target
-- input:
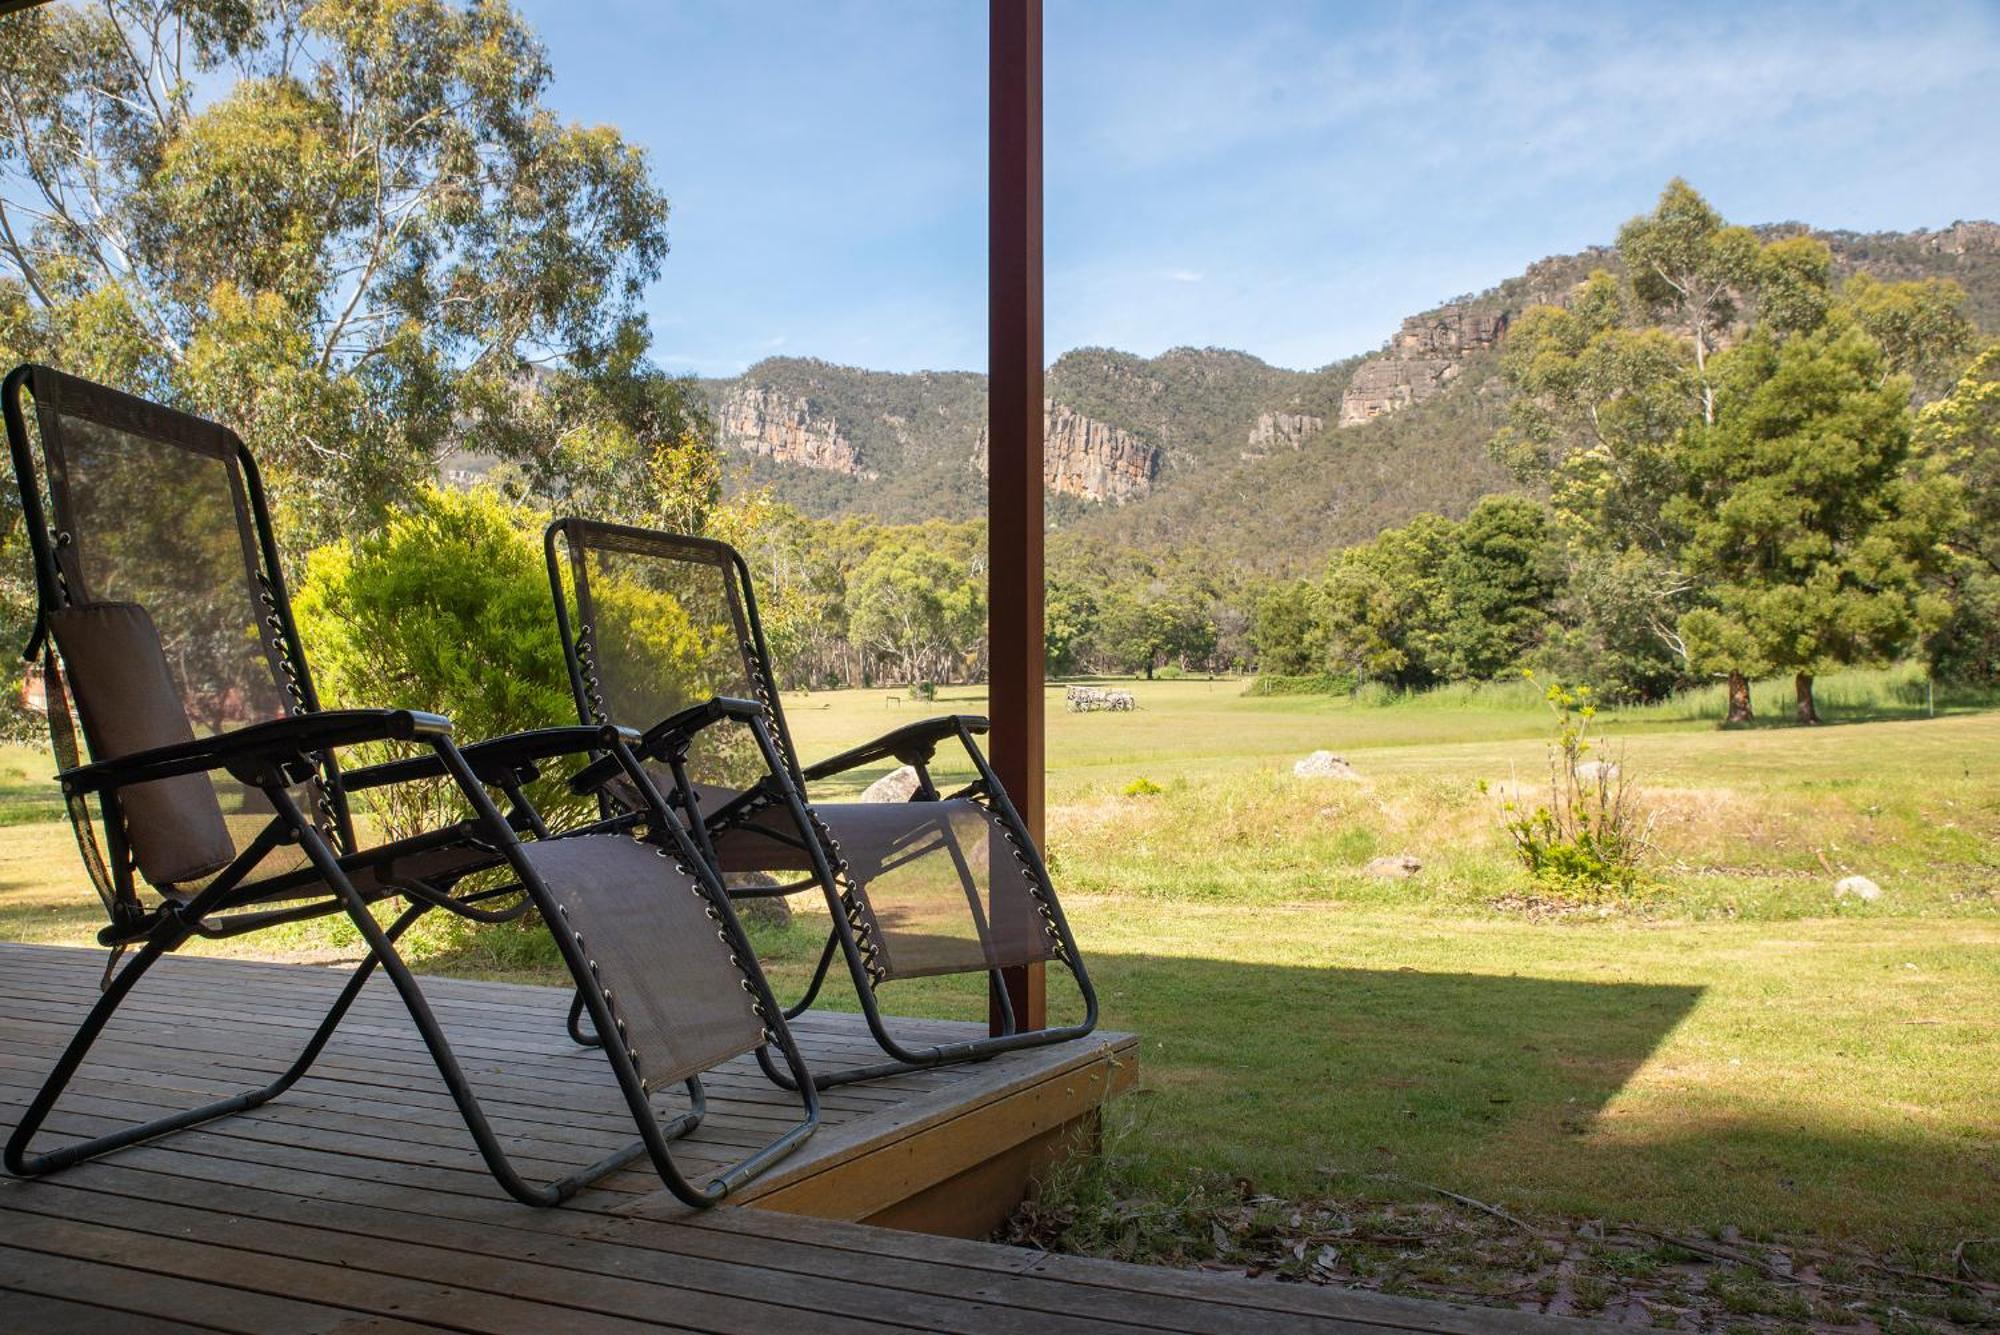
(169, 935)
(382, 948)
(575, 1023)
(904, 1059)
(907, 1060)
(804, 1003)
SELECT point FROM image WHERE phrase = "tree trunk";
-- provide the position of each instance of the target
(1803, 685)
(1739, 699)
(1707, 390)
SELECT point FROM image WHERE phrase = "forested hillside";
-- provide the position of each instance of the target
(1254, 463)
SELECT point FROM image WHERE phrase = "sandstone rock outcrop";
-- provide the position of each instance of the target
(1084, 457)
(758, 419)
(1964, 238)
(1274, 429)
(1425, 356)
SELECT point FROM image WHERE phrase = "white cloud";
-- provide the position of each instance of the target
(1566, 85)
(1328, 172)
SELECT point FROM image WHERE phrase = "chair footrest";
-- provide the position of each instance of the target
(645, 935)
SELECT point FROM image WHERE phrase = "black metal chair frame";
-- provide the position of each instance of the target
(275, 756)
(667, 741)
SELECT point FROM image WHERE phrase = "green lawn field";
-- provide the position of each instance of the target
(1732, 1047)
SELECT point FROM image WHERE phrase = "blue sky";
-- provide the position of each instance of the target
(1289, 179)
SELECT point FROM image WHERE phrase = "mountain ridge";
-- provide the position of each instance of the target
(1269, 466)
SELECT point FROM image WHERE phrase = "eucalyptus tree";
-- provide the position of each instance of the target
(352, 229)
(1690, 269)
(1726, 435)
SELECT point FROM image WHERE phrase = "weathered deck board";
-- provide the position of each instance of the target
(356, 1201)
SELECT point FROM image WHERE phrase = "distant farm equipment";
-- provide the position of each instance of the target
(1090, 699)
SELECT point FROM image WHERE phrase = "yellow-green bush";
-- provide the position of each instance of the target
(447, 609)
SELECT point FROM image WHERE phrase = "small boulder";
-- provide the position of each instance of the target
(1395, 867)
(1597, 771)
(896, 786)
(1325, 765)
(1857, 887)
(773, 910)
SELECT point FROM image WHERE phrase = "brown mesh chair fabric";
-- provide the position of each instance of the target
(940, 886)
(653, 940)
(167, 626)
(661, 623)
(660, 626)
(127, 701)
(149, 508)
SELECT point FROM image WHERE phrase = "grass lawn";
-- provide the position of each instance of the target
(1736, 1047)
(1731, 1049)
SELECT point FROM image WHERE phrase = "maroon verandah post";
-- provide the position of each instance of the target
(1014, 433)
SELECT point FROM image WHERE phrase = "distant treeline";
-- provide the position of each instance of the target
(853, 603)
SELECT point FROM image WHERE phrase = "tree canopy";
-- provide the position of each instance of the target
(1808, 524)
(351, 229)
(1726, 441)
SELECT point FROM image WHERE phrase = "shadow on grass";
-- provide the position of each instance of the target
(1309, 1081)
(1282, 1074)
(1339, 1063)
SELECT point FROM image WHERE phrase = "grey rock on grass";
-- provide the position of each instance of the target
(1325, 765)
(1857, 887)
(895, 786)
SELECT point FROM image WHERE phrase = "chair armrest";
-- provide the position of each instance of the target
(912, 744)
(492, 760)
(660, 740)
(249, 752)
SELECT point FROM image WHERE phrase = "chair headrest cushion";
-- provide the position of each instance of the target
(127, 700)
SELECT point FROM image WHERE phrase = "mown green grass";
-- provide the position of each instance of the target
(26, 795)
(1732, 1047)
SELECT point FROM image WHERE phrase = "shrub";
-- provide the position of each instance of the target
(1143, 787)
(1377, 695)
(1316, 683)
(1591, 835)
(444, 609)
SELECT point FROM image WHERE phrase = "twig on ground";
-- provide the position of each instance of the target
(1720, 1253)
(1484, 1208)
(1976, 1285)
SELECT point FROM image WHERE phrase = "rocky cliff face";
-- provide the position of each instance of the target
(1279, 429)
(1087, 458)
(1161, 437)
(1966, 238)
(1425, 355)
(761, 420)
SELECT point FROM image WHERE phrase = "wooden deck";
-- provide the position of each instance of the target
(356, 1201)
